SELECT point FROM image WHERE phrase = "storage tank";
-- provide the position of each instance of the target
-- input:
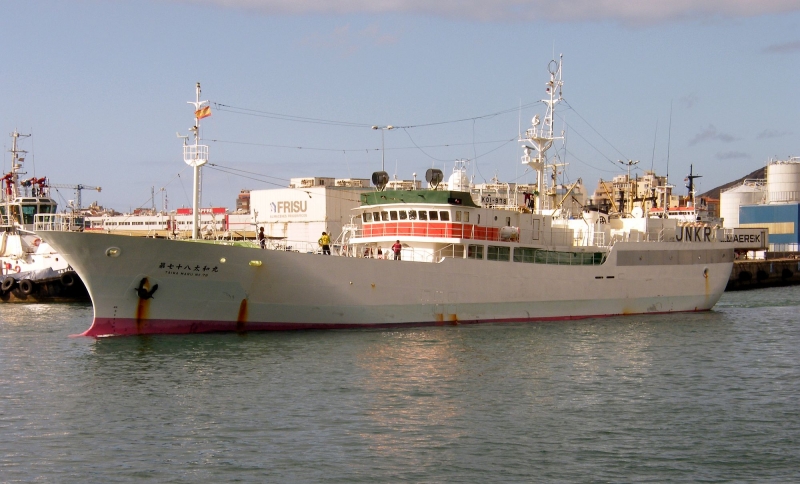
(732, 199)
(783, 181)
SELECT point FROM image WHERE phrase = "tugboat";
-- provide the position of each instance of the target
(30, 269)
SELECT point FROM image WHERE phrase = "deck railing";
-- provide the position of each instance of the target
(59, 222)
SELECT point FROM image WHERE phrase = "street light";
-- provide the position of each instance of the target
(383, 157)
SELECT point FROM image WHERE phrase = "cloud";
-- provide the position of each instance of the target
(710, 134)
(731, 155)
(347, 41)
(624, 11)
(772, 133)
(785, 48)
(688, 101)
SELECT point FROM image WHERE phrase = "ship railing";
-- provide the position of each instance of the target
(452, 251)
(59, 222)
(442, 229)
(6, 220)
(293, 245)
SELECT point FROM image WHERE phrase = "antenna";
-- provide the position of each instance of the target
(655, 136)
(669, 138)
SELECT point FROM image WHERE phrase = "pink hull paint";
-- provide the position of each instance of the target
(129, 326)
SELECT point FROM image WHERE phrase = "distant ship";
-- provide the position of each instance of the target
(30, 269)
(460, 261)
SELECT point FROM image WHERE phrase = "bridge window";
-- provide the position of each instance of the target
(28, 211)
(403, 215)
(412, 214)
(444, 216)
(499, 253)
(474, 251)
(393, 214)
(466, 217)
(385, 216)
(458, 216)
(376, 216)
(367, 217)
(524, 254)
(423, 215)
(433, 215)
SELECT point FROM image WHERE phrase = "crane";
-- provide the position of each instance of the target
(78, 189)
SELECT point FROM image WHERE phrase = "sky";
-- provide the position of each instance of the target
(102, 86)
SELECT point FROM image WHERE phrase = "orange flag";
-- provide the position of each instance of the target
(203, 112)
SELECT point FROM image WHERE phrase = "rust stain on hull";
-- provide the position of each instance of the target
(241, 318)
(143, 309)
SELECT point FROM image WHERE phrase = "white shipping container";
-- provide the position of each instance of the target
(300, 215)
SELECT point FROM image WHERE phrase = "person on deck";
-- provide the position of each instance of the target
(262, 239)
(325, 243)
(396, 248)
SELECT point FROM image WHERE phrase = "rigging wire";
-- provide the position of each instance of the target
(504, 142)
(285, 117)
(588, 142)
(415, 147)
(303, 119)
(248, 172)
(485, 116)
(596, 132)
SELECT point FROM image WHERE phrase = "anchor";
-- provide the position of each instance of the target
(144, 293)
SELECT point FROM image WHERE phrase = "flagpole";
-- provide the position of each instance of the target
(196, 156)
(196, 193)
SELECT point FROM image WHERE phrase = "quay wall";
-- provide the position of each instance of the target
(756, 274)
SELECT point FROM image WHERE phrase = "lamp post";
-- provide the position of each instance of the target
(383, 157)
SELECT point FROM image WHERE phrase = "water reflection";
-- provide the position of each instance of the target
(409, 379)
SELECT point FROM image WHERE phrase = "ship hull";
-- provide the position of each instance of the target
(148, 286)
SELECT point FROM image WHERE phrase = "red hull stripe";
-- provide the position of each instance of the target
(126, 327)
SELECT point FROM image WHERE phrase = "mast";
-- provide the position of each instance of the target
(541, 136)
(196, 155)
(11, 191)
(16, 164)
(690, 178)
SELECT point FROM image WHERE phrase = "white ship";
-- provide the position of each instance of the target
(460, 262)
(30, 269)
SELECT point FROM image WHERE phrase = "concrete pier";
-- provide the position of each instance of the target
(755, 274)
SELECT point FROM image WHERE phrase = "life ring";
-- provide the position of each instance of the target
(17, 269)
(26, 286)
(8, 283)
(68, 279)
(36, 242)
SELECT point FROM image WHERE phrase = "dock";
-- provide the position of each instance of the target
(775, 271)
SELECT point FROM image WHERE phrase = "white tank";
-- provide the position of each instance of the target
(783, 181)
(731, 200)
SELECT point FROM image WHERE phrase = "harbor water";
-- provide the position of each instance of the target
(710, 397)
